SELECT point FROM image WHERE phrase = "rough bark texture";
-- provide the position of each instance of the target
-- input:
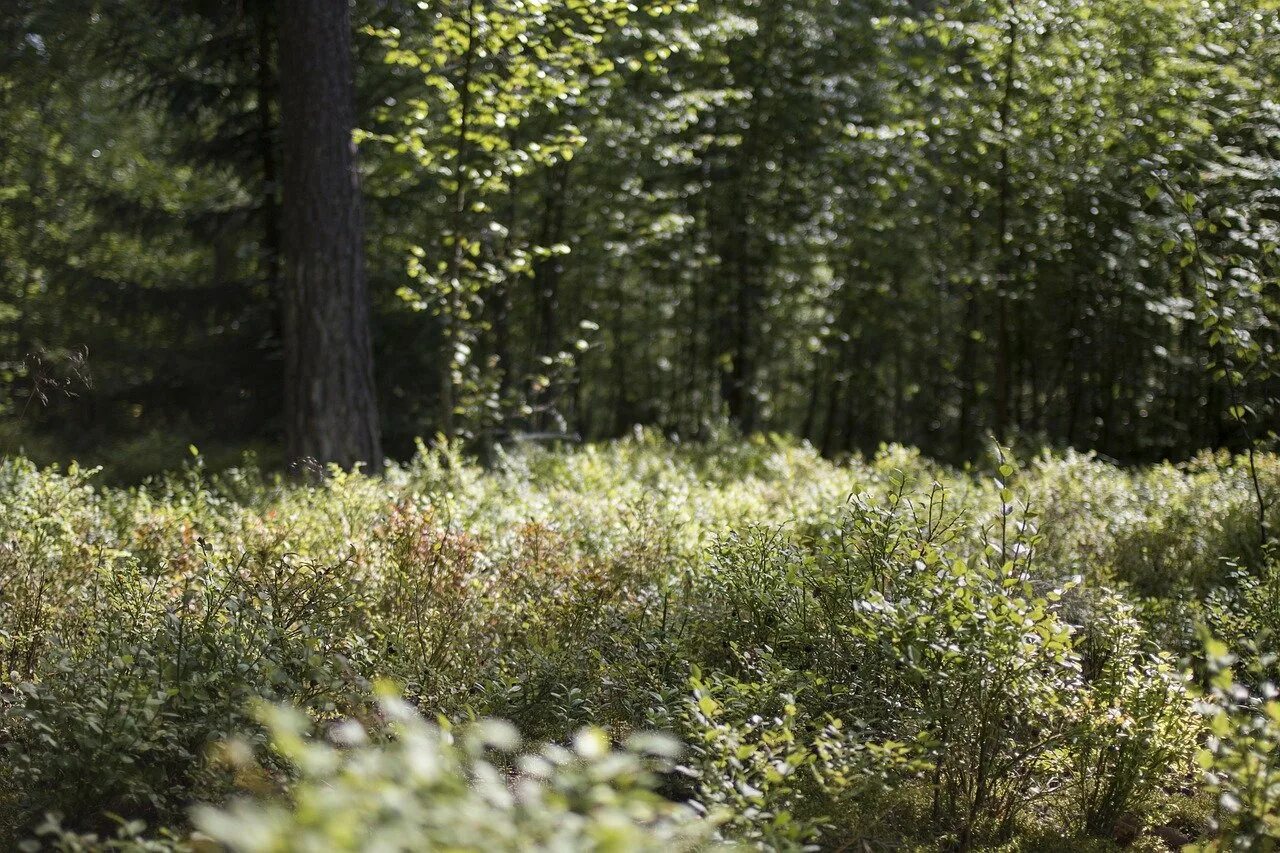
(330, 404)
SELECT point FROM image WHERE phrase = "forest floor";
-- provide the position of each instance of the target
(737, 644)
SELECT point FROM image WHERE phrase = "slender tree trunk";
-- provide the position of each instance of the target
(819, 378)
(852, 410)
(498, 303)
(1000, 420)
(331, 412)
(623, 411)
(267, 152)
(968, 358)
(547, 273)
(452, 307)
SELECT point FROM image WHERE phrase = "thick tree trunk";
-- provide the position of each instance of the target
(331, 410)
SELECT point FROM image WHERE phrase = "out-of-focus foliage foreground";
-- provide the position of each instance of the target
(851, 221)
(734, 644)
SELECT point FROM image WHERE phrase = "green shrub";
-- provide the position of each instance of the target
(983, 667)
(1244, 613)
(1242, 758)
(148, 670)
(421, 787)
(772, 774)
(925, 663)
(962, 656)
(1138, 728)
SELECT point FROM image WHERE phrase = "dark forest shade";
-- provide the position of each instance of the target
(330, 405)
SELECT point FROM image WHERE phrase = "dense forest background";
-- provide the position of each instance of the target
(850, 220)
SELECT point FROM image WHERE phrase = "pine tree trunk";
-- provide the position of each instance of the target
(330, 406)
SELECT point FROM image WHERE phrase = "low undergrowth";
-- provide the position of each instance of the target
(743, 645)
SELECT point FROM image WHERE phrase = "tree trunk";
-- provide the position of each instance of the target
(1004, 271)
(547, 273)
(270, 253)
(331, 412)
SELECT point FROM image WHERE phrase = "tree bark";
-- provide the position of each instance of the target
(331, 412)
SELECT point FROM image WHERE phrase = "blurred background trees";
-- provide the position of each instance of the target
(852, 221)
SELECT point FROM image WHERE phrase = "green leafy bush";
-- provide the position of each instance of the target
(882, 652)
(1138, 728)
(421, 787)
(1240, 759)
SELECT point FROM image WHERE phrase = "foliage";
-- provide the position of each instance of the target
(748, 241)
(1239, 760)
(852, 222)
(429, 788)
(119, 718)
(778, 781)
(942, 658)
(1138, 725)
